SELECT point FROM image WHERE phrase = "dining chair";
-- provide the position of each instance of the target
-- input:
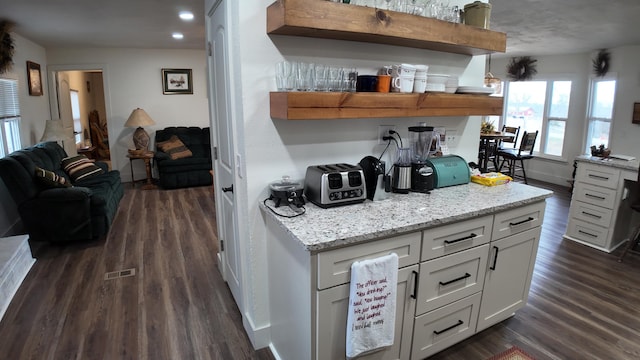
(635, 206)
(510, 142)
(514, 158)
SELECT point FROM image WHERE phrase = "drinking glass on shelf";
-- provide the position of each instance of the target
(320, 77)
(335, 78)
(285, 75)
(304, 78)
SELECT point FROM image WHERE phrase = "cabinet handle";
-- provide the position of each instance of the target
(415, 285)
(586, 233)
(466, 275)
(599, 177)
(495, 258)
(447, 242)
(594, 196)
(594, 215)
(460, 322)
(521, 222)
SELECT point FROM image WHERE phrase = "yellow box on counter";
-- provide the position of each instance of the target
(491, 179)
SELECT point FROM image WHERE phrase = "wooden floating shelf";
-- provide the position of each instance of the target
(329, 20)
(350, 105)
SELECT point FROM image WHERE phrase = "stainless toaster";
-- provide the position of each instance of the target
(335, 185)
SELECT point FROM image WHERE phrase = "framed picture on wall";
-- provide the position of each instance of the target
(177, 81)
(34, 78)
(636, 113)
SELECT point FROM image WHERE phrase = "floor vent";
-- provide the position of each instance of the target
(119, 274)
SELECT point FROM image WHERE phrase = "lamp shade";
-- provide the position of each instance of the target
(53, 131)
(139, 118)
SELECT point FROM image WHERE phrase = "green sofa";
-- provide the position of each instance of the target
(193, 170)
(50, 213)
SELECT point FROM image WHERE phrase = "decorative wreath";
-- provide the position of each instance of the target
(601, 63)
(6, 46)
(522, 68)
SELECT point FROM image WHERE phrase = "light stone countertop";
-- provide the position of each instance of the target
(616, 163)
(322, 229)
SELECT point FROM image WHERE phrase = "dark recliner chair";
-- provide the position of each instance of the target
(194, 170)
(59, 214)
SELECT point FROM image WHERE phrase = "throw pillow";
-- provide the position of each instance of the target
(51, 179)
(80, 167)
(175, 148)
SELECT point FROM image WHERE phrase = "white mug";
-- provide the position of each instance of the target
(419, 84)
(403, 70)
(403, 84)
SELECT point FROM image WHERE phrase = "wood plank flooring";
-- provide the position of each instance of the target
(176, 306)
(583, 303)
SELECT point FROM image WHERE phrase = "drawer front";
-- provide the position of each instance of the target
(450, 278)
(595, 195)
(587, 232)
(334, 266)
(444, 327)
(604, 176)
(449, 239)
(518, 220)
(596, 215)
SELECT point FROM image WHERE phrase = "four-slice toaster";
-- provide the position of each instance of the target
(334, 185)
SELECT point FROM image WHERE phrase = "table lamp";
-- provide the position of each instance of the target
(139, 118)
(53, 131)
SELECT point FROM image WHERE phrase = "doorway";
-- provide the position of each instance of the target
(78, 98)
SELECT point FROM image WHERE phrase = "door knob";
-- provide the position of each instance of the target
(230, 188)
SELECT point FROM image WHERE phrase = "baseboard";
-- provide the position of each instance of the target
(260, 337)
(274, 352)
(15, 263)
(548, 178)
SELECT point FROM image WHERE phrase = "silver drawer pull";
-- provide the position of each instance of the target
(599, 177)
(595, 196)
(594, 215)
(586, 233)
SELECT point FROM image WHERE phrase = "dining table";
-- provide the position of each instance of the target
(488, 147)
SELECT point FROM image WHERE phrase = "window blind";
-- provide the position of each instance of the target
(9, 103)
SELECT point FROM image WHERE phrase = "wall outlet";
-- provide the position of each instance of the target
(451, 138)
(383, 130)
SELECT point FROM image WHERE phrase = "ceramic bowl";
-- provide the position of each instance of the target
(437, 79)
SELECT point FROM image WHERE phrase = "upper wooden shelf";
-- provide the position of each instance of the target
(326, 19)
(349, 105)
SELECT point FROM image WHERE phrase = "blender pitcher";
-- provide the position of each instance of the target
(424, 143)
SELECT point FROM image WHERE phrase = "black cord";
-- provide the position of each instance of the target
(283, 215)
(393, 132)
(388, 138)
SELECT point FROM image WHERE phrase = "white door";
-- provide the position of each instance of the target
(222, 123)
(64, 111)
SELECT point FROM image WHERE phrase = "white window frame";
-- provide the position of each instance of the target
(10, 117)
(589, 118)
(542, 135)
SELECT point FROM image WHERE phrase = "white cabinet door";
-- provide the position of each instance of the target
(332, 307)
(508, 278)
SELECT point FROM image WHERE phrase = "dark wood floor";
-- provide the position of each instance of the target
(583, 303)
(176, 306)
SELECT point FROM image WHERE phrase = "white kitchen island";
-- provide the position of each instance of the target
(466, 257)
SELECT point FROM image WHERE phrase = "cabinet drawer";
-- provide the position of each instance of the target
(449, 239)
(444, 327)
(604, 176)
(517, 220)
(334, 266)
(595, 195)
(450, 278)
(591, 213)
(587, 232)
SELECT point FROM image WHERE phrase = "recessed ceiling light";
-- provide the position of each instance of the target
(186, 15)
(177, 35)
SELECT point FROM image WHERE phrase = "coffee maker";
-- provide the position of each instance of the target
(423, 144)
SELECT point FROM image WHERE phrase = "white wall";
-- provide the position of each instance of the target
(272, 148)
(133, 79)
(578, 67)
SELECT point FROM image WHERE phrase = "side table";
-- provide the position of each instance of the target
(146, 157)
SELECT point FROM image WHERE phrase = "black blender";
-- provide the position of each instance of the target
(422, 140)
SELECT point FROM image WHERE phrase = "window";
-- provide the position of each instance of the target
(9, 117)
(600, 112)
(75, 113)
(541, 106)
